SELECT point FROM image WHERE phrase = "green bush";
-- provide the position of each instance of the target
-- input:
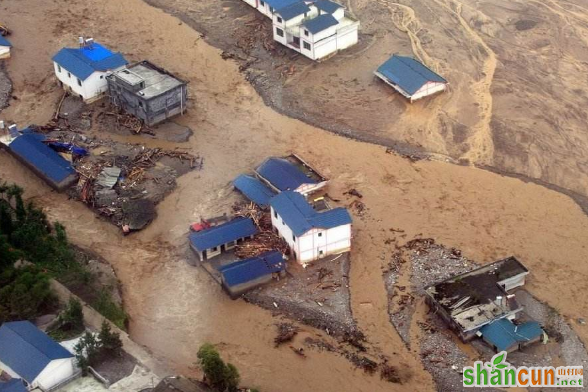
(24, 293)
(109, 309)
(220, 376)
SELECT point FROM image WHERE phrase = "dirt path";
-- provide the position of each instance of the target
(174, 307)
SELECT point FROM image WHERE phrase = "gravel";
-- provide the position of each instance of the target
(5, 87)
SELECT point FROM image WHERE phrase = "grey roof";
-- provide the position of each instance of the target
(320, 23)
(157, 81)
(328, 6)
(293, 10)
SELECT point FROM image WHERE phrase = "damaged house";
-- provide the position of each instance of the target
(290, 174)
(148, 92)
(480, 303)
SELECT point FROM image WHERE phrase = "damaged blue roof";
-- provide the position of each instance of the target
(293, 10)
(4, 41)
(254, 190)
(320, 23)
(503, 334)
(83, 62)
(227, 232)
(27, 350)
(283, 174)
(244, 271)
(30, 147)
(408, 73)
(300, 217)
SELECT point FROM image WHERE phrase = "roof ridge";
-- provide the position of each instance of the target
(26, 341)
(402, 58)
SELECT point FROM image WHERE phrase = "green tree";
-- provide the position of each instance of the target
(72, 317)
(110, 341)
(220, 376)
(24, 293)
(87, 351)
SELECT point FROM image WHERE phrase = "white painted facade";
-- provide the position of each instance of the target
(4, 52)
(427, 89)
(56, 372)
(90, 89)
(315, 243)
(317, 46)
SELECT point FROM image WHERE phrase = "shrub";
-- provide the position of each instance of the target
(220, 376)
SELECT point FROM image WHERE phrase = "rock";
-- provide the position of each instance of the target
(581, 321)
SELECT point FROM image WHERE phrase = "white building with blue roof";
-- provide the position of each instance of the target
(310, 234)
(27, 353)
(410, 77)
(5, 47)
(316, 29)
(82, 71)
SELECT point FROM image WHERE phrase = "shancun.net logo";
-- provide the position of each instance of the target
(499, 373)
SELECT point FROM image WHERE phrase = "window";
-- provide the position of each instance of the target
(58, 68)
(276, 214)
(214, 249)
(294, 237)
(69, 75)
(79, 82)
(306, 45)
(283, 222)
(320, 234)
(306, 32)
(279, 32)
(279, 20)
(101, 76)
(140, 104)
(320, 252)
(262, 3)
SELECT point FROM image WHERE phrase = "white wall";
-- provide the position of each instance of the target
(57, 371)
(91, 88)
(429, 88)
(252, 3)
(4, 52)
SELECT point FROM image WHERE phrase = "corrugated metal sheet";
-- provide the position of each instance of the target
(83, 62)
(254, 190)
(250, 269)
(4, 42)
(283, 174)
(320, 23)
(27, 350)
(300, 217)
(503, 334)
(408, 73)
(278, 4)
(222, 234)
(14, 385)
(327, 6)
(293, 10)
(30, 147)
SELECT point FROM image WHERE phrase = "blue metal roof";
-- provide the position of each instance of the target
(301, 217)
(30, 147)
(293, 10)
(14, 385)
(231, 231)
(503, 334)
(327, 6)
(83, 62)
(320, 23)
(27, 350)
(283, 174)
(250, 269)
(408, 73)
(279, 4)
(254, 190)
(4, 41)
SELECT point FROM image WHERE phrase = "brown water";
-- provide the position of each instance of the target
(174, 308)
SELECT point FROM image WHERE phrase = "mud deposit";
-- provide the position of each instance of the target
(515, 102)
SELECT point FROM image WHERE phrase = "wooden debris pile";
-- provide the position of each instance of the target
(262, 242)
(286, 333)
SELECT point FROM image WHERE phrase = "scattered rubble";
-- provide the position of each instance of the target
(286, 333)
(5, 87)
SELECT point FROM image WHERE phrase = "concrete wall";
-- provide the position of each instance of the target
(514, 282)
(237, 290)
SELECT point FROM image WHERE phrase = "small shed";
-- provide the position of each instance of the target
(241, 276)
(28, 353)
(290, 174)
(148, 92)
(503, 335)
(5, 47)
(410, 77)
(45, 162)
(213, 241)
(254, 190)
(13, 385)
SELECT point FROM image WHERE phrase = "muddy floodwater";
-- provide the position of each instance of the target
(175, 307)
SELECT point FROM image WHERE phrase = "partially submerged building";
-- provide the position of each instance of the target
(31, 355)
(244, 275)
(30, 149)
(82, 71)
(212, 241)
(290, 174)
(5, 47)
(254, 190)
(316, 29)
(479, 303)
(410, 77)
(148, 92)
(310, 234)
